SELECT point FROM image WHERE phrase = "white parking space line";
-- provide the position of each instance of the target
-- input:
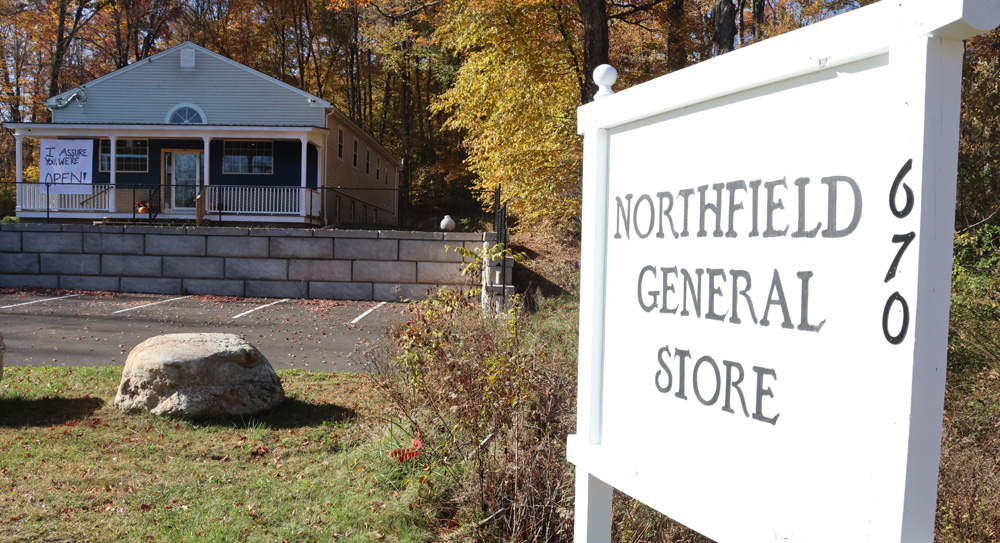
(259, 307)
(365, 314)
(147, 305)
(39, 301)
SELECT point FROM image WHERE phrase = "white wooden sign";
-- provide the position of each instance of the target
(66, 166)
(766, 279)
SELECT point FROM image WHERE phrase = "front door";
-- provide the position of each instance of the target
(185, 173)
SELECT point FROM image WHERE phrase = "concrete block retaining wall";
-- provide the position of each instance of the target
(274, 263)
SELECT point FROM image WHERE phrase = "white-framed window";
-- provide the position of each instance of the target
(340, 143)
(186, 114)
(368, 162)
(378, 167)
(131, 156)
(248, 157)
(355, 153)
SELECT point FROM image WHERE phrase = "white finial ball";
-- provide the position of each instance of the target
(448, 223)
(605, 76)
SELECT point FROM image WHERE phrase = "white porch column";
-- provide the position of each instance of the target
(302, 197)
(19, 165)
(205, 160)
(113, 169)
(201, 209)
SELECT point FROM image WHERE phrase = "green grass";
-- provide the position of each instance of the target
(74, 468)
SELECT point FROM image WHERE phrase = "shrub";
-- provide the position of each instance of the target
(975, 311)
(8, 200)
(490, 412)
(968, 496)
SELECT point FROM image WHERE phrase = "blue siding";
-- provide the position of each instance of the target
(287, 166)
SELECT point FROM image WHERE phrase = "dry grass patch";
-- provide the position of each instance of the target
(74, 468)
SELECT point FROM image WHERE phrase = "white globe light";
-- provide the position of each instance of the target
(448, 223)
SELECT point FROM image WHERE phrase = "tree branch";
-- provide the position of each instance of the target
(970, 227)
(407, 13)
(635, 9)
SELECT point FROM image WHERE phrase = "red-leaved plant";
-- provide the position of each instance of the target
(403, 455)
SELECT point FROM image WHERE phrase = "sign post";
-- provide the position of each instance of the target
(66, 166)
(764, 315)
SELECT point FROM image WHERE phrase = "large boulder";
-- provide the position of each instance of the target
(198, 375)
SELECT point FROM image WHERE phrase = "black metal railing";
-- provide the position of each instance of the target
(500, 218)
(182, 203)
(256, 206)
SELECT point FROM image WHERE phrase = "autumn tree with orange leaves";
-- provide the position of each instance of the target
(470, 94)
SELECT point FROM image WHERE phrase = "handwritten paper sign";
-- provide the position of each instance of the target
(66, 166)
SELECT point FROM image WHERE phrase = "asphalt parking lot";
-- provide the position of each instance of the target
(100, 328)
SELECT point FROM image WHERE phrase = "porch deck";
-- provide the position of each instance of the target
(164, 202)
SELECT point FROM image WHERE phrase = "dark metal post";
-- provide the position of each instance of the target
(496, 209)
(500, 228)
(324, 208)
(503, 256)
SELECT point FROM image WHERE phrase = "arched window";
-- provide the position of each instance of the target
(186, 114)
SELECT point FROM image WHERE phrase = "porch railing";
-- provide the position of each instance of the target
(263, 200)
(161, 203)
(166, 199)
(41, 197)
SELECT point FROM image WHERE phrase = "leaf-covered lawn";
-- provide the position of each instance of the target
(74, 468)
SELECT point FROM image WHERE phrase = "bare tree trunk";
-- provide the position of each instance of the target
(594, 14)
(758, 18)
(419, 106)
(386, 96)
(741, 13)
(371, 97)
(354, 71)
(582, 80)
(60, 50)
(724, 26)
(311, 41)
(677, 36)
(66, 34)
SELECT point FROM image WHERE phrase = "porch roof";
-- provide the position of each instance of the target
(169, 131)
